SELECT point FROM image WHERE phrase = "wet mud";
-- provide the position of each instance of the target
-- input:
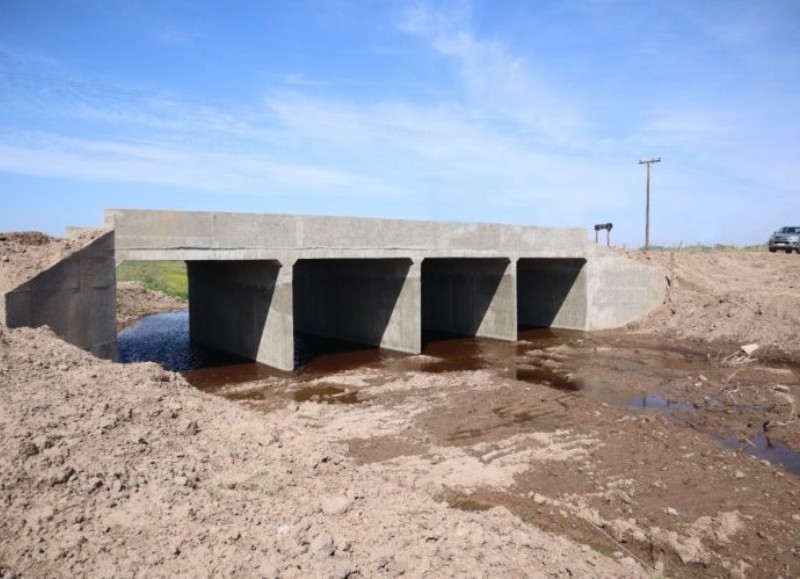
(684, 435)
(646, 374)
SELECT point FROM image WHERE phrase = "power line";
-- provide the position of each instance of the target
(647, 208)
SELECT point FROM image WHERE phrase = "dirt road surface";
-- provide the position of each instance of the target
(629, 453)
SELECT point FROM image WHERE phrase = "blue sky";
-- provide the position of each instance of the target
(528, 112)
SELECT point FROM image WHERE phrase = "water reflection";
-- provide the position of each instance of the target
(763, 447)
(164, 339)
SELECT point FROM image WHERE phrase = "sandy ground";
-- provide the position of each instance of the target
(109, 469)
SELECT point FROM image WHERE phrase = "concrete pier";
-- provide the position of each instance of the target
(369, 301)
(256, 279)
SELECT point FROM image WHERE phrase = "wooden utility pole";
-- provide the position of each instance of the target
(647, 209)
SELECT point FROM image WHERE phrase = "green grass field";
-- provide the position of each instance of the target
(168, 277)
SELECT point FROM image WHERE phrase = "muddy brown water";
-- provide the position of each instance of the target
(164, 338)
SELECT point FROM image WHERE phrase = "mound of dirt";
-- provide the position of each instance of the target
(25, 254)
(110, 469)
(729, 296)
(134, 300)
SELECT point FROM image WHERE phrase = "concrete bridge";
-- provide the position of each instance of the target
(256, 279)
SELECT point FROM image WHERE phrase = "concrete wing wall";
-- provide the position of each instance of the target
(620, 290)
(76, 298)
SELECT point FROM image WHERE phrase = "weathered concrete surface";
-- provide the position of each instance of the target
(185, 235)
(254, 279)
(475, 297)
(553, 293)
(76, 298)
(369, 301)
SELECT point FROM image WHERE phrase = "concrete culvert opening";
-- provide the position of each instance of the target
(350, 304)
(229, 302)
(551, 293)
(467, 297)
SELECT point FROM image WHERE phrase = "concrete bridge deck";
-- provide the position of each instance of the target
(256, 279)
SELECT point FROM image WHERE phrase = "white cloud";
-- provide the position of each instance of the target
(221, 172)
(500, 84)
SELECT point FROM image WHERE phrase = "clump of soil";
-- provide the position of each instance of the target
(25, 254)
(729, 296)
(134, 301)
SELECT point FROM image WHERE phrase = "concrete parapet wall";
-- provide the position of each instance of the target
(76, 298)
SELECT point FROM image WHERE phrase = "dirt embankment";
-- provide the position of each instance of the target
(109, 469)
(729, 296)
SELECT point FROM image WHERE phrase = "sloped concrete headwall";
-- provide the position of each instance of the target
(76, 298)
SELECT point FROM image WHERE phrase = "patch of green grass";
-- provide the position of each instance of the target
(168, 277)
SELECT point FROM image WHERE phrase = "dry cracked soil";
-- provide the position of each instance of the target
(663, 449)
